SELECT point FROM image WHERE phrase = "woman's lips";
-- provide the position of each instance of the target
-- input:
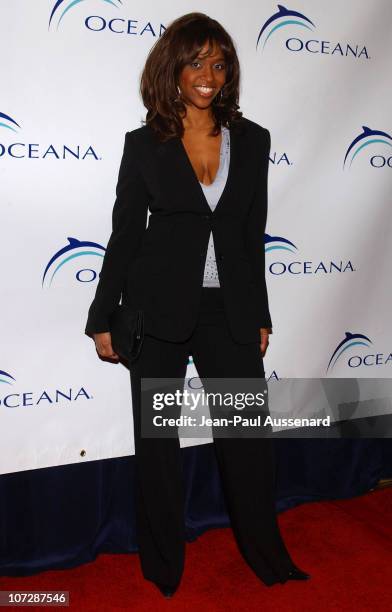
(205, 92)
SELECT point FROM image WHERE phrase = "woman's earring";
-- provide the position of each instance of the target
(178, 97)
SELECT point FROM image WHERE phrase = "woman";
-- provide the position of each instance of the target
(197, 272)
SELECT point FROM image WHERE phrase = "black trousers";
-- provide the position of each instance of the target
(246, 465)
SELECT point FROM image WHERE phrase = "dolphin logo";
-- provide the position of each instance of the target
(278, 243)
(6, 378)
(367, 137)
(61, 8)
(348, 341)
(9, 120)
(74, 245)
(282, 18)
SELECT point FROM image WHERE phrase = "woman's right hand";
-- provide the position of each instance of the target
(103, 344)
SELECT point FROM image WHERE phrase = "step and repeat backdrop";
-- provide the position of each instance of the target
(316, 73)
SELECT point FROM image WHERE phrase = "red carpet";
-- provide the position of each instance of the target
(345, 545)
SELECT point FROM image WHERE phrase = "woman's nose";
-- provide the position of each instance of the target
(207, 73)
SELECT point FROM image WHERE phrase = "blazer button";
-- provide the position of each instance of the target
(220, 257)
(207, 217)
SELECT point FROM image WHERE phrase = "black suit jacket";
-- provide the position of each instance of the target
(159, 269)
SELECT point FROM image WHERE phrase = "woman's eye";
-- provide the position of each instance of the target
(196, 64)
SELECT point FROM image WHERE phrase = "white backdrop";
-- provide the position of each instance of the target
(317, 75)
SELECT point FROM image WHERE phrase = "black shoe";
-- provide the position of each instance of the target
(166, 590)
(297, 574)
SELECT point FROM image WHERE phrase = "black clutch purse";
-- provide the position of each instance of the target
(127, 332)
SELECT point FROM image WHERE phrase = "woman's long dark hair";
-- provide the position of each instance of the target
(179, 45)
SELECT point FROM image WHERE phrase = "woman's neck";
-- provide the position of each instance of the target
(197, 119)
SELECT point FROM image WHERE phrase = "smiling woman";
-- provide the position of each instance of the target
(197, 273)
(205, 76)
(198, 68)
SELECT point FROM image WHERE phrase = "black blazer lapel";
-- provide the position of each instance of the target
(174, 160)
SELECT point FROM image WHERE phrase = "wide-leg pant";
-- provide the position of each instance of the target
(246, 465)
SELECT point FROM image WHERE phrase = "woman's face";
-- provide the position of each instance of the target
(202, 79)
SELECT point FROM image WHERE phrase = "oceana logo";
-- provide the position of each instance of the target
(360, 144)
(289, 19)
(8, 123)
(23, 150)
(69, 254)
(24, 399)
(98, 23)
(5, 378)
(62, 7)
(279, 245)
(280, 158)
(348, 352)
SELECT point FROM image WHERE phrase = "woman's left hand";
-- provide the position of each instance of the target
(264, 337)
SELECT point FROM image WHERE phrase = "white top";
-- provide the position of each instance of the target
(213, 193)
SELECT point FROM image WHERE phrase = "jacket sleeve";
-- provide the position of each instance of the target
(256, 223)
(129, 218)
